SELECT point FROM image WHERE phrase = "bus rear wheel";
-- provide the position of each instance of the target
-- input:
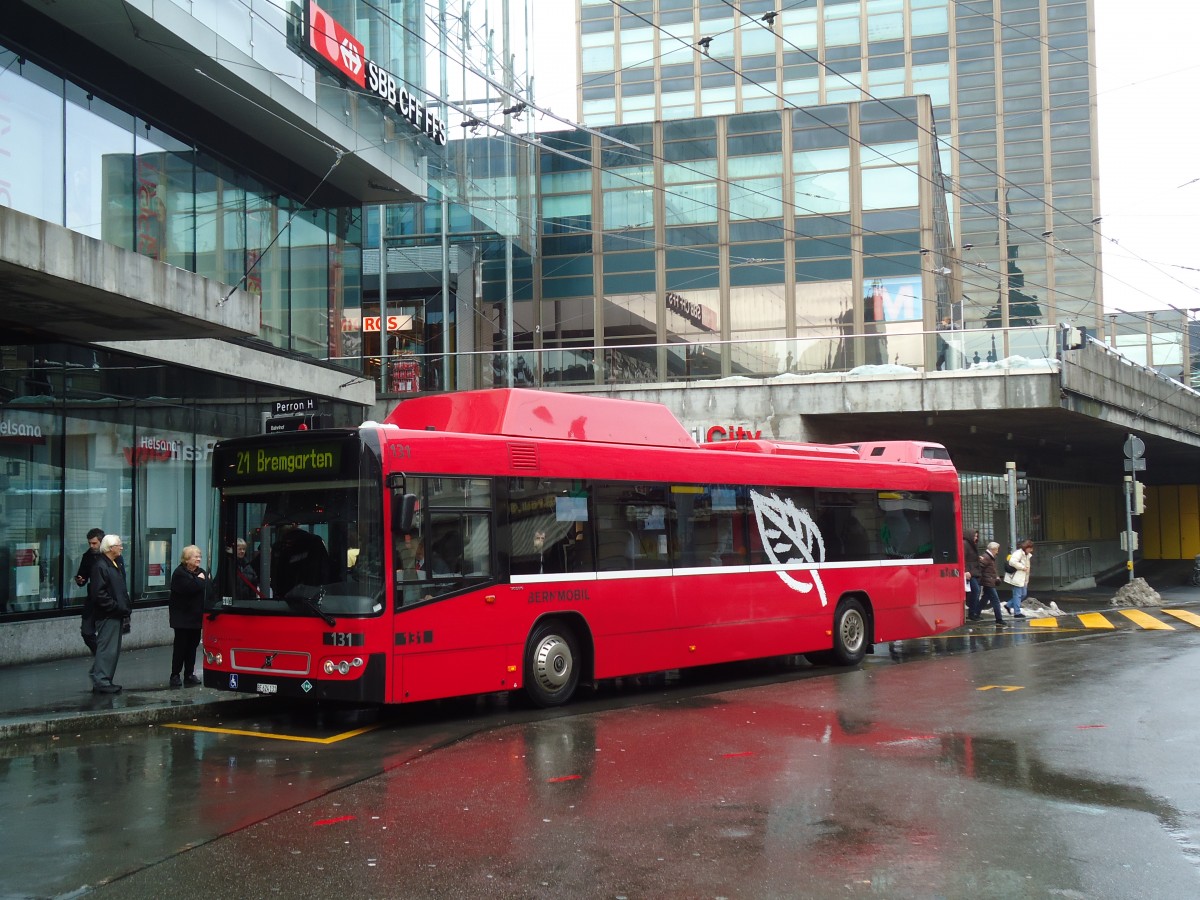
(849, 636)
(551, 664)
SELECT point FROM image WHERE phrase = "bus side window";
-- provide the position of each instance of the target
(783, 524)
(549, 526)
(477, 545)
(708, 528)
(634, 527)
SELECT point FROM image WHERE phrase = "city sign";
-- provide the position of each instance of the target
(730, 433)
(338, 49)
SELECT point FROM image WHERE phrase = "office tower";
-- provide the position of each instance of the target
(1012, 84)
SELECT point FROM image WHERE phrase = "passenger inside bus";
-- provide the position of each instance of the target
(541, 546)
(412, 568)
(298, 557)
(446, 558)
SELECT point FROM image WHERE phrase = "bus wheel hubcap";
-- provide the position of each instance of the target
(552, 663)
(852, 631)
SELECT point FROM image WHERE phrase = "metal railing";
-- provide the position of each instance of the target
(893, 347)
(1071, 566)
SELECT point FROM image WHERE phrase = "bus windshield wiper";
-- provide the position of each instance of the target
(299, 595)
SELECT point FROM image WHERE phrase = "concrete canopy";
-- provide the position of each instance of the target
(57, 284)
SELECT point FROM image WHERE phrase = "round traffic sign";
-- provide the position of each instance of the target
(1134, 447)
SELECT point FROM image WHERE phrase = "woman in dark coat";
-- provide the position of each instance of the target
(186, 606)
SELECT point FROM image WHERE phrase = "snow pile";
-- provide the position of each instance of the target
(1137, 593)
(1036, 609)
(1016, 362)
(885, 369)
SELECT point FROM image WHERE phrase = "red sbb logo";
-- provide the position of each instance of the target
(335, 44)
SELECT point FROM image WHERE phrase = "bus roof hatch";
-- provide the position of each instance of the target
(517, 412)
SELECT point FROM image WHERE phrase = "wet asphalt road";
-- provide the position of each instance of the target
(1037, 769)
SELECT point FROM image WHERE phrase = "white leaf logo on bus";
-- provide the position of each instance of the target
(789, 535)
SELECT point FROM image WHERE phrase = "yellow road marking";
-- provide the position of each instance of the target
(1145, 620)
(1095, 620)
(1007, 688)
(279, 737)
(1189, 617)
(1051, 622)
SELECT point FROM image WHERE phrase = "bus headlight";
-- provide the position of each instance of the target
(213, 659)
(342, 667)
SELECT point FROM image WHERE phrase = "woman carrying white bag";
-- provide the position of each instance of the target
(1017, 573)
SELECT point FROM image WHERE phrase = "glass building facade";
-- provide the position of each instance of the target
(1012, 88)
(74, 159)
(92, 436)
(752, 244)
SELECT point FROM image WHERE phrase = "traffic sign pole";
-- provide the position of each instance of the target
(1135, 450)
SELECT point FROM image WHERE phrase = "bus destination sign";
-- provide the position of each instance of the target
(275, 461)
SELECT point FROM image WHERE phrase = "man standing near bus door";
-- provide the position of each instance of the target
(109, 593)
(972, 567)
(87, 625)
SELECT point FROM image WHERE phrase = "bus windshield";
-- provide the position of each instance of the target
(302, 550)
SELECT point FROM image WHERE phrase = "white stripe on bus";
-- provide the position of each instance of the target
(546, 578)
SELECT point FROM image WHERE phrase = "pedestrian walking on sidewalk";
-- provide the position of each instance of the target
(971, 564)
(108, 592)
(1021, 561)
(87, 624)
(189, 584)
(989, 576)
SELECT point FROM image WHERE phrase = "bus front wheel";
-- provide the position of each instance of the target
(551, 664)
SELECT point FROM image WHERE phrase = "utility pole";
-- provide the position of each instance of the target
(1010, 478)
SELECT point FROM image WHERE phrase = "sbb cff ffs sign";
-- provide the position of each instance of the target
(339, 49)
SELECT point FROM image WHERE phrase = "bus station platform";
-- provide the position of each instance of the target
(55, 697)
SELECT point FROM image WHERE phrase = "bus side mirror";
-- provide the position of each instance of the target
(404, 510)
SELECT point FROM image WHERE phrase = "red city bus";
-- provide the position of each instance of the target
(499, 540)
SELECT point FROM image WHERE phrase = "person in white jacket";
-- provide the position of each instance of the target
(1021, 559)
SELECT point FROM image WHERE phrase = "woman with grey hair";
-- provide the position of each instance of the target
(186, 607)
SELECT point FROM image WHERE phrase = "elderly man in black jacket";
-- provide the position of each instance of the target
(989, 577)
(108, 592)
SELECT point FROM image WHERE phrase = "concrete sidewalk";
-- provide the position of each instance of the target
(56, 697)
